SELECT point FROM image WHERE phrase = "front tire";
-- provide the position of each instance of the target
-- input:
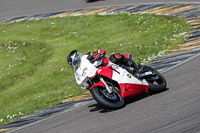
(113, 100)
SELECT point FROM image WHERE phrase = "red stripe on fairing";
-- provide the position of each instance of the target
(105, 71)
(132, 90)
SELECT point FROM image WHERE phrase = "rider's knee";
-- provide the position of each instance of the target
(116, 58)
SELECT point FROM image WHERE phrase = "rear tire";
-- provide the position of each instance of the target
(158, 85)
(97, 93)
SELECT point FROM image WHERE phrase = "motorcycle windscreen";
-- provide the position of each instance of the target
(76, 60)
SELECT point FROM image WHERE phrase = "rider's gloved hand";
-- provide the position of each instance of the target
(95, 56)
(99, 54)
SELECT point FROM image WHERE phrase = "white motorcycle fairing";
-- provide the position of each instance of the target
(129, 85)
(85, 71)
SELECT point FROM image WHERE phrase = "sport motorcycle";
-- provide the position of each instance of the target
(110, 84)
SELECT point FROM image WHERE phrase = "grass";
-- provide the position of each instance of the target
(34, 73)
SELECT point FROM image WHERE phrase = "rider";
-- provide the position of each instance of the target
(114, 58)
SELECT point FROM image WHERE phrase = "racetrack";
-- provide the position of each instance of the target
(173, 111)
(10, 8)
(176, 110)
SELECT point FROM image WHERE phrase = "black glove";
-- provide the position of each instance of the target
(95, 56)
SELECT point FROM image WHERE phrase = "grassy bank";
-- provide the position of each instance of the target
(33, 70)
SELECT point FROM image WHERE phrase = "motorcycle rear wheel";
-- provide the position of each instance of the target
(159, 84)
(112, 101)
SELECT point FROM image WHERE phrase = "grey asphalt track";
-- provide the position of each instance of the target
(15, 8)
(176, 110)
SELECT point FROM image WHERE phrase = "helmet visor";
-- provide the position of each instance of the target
(76, 59)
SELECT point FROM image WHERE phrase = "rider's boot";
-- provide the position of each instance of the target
(120, 59)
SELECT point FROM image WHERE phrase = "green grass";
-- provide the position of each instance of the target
(34, 73)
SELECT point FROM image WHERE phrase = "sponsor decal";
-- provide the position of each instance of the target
(128, 75)
(99, 70)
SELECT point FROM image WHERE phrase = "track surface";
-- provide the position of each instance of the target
(176, 110)
(173, 111)
(14, 8)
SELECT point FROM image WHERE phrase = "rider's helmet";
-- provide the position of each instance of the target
(74, 59)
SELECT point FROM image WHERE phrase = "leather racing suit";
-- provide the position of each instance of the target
(114, 58)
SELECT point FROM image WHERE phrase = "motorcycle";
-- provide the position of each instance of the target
(110, 84)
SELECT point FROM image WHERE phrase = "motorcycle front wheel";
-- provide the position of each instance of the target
(112, 101)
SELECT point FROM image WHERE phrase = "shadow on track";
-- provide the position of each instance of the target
(101, 109)
(98, 107)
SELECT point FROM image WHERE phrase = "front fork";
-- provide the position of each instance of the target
(110, 90)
